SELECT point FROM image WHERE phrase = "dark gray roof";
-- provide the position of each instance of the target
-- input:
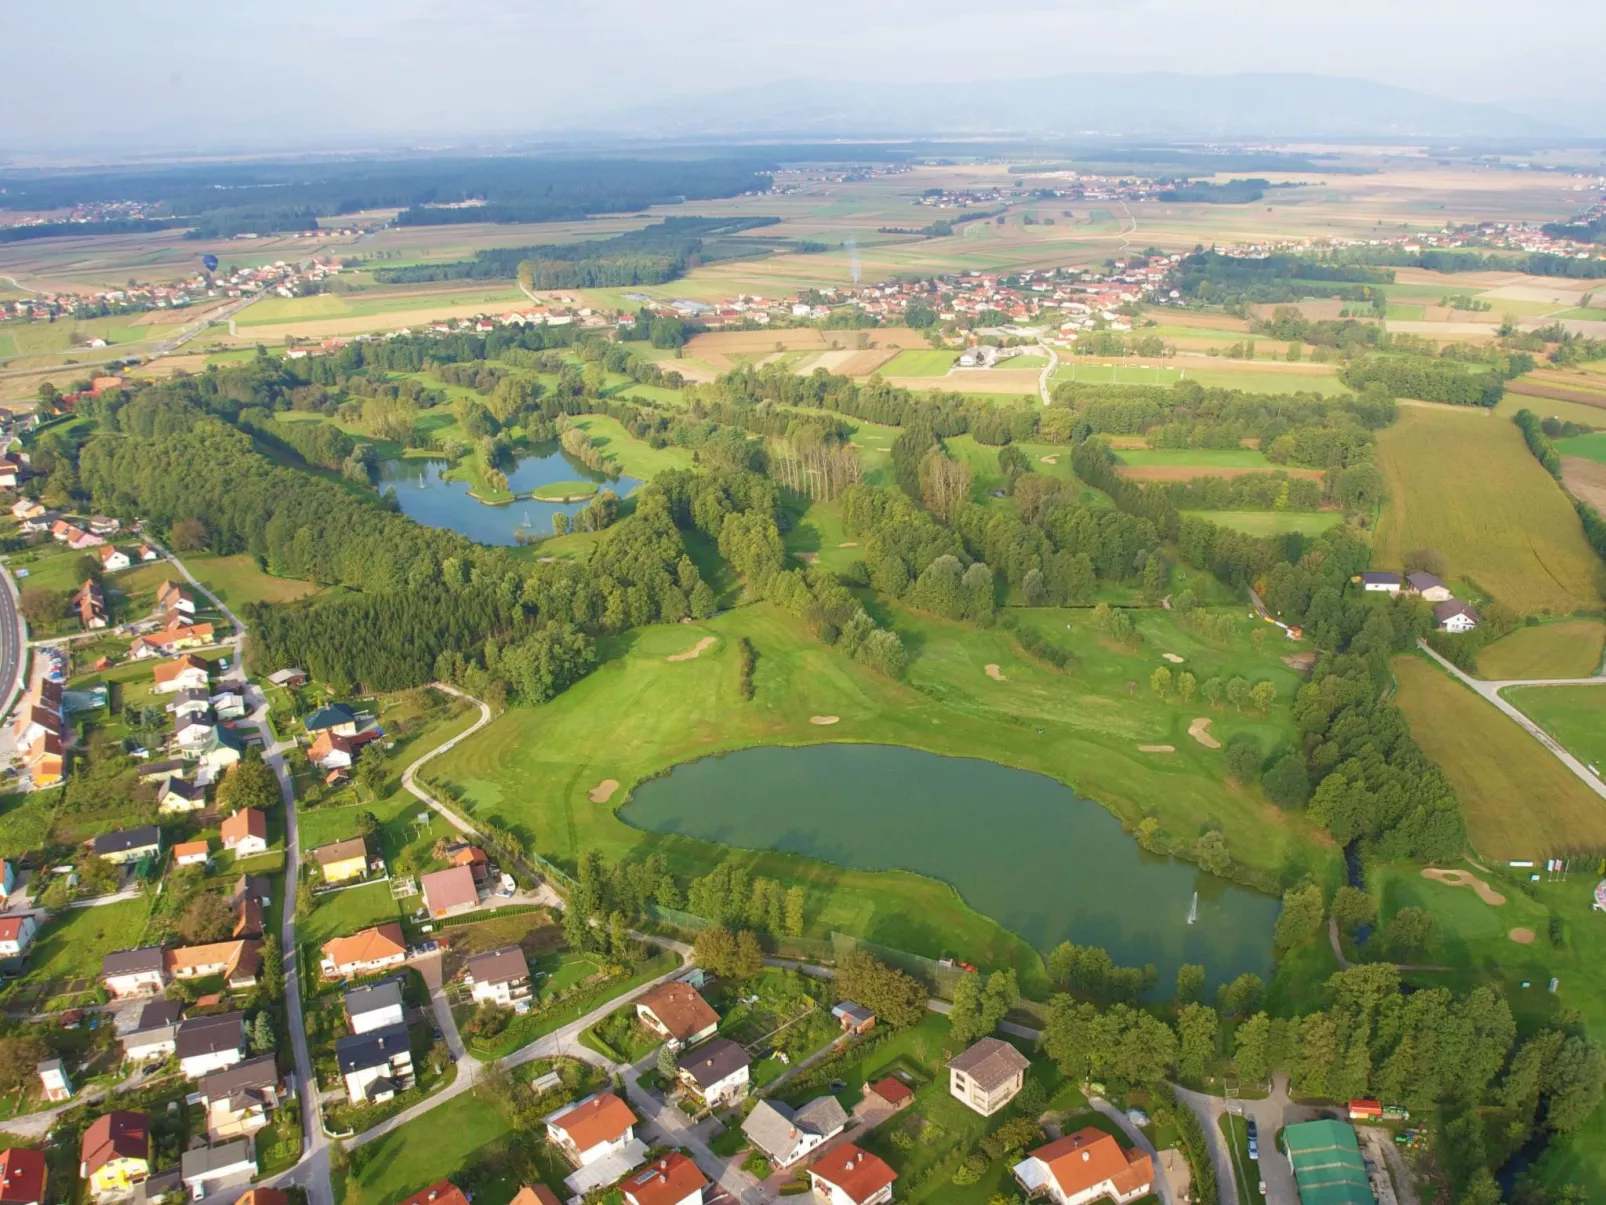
(991, 1062)
(713, 1061)
(361, 1051)
(132, 962)
(329, 717)
(210, 1035)
(499, 966)
(205, 1161)
(1382, 576)
(1422, 581)
(252, 887)
(158, 1185)
(185, 789)
(134, 838)
(160, 1012)
(373, 998)
(824, 1115)
(260, 1072)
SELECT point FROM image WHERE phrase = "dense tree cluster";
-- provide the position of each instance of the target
(1427, 379)
(1247, 491)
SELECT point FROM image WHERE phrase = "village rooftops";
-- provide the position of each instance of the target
(447, 890)
(601, 1119)
(120, 1134)
(668, 1181)
(252, 887)
(498, 966)
(146, 960)
(134, 838)
(367, 946)
(535, 1194)
(253, 1075)
(377, 1047)
(859, 1174)
(22, 1176)
(711, 1062)
(159, 1013)
(211, 1035)
(1380, 579)
(1421, 582)
(1083, 1160)
(991, 1063)
(679, 1008)
(331, 716)
(340, 851)
(373, 998)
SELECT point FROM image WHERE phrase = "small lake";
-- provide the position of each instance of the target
(1020, 848)
(424, 496)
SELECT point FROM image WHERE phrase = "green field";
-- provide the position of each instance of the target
(630, 455)
(1571, 648)
(531, 768)
(1520, 802)
(1574, 715)
(1091, 370)
(1590, 447)
(1212, 458)
(72, 946)
(919, 364)
(238, 580)
(1271, 522)
(565, 490)
(272, 310)
(1464, 483)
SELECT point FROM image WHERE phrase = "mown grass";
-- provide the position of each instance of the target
(1214, 458)
(1271, 522)
(1590, 447)
(1569, 649)
(1463, 482)
(1519, 800)
(919, 364)
(238, 580)
(629, 454)
(1574, 715)
(532, 768)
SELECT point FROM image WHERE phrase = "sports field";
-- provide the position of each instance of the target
(1568, 649)
(1463, 482)
(1520, 802)
(1574, 715)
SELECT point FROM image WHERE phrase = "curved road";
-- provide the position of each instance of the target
(1491, 691)
(13, 639)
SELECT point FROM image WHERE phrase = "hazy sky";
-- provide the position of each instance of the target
(168, 74)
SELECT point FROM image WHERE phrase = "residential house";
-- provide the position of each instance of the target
(203, 1168)
(342, 861)
(115, 1153)
(854, 1018)
(27, 508)
(847, 1175)
(174, 599)
(376, 1006)
(16, 935)
(366, 953)
(192, 853)
(1454, 616)
(891, 1091)
(672, 1180)
(157, 771)
(535, 1194)
(500, 976)
(248, 921)
(112, 559)
(1384, 583)
(228, 705)
(90, 603)
(449, 892)
(290, 678)
(191, 701)
(442, 1192)
(473, 857)
(785, 1135)
(677, 1013)
(376, 1065)
(188, 672)
(1085, 1166)
(335, 718)
(44, 761)
(22, 1176)
(207, 1044)
(254, 887)
(175, 637)
(1430, 588)
(139, 972)
(130, 845)
(987, 1076)
(148, 554)
(53, 1079)
(332, 751)
(192, 733)
(237, 961)
(246, 832)
(598, 1136)
(716, 1071)
(178, 795)
(240, 1100)
(224, 750)
(155, 1035)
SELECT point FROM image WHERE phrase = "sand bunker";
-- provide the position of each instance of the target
(808, 558)
(1049, 459)
(996, 674)
(604, 790)
(1523, 937)
(1300, 663)
(1174, 658)
(848, 544)
(824, 719)
(697, 650)
(1157, 748)
(1460, 878)
(1199, 730)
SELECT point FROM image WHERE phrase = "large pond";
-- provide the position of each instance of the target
(1019, 847)
(434, 502)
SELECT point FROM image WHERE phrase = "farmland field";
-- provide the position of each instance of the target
(1589, 447)
(1464, 483)
(1570, 649)
(919, 364)
(1271, 522)
(1225, 458)
(1574, 715)
(1520, 802)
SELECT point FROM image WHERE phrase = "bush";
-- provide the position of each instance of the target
(1243, 759)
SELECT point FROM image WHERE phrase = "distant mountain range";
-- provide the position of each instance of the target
(1152, 104)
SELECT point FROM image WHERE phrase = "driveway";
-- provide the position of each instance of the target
(1138, 1139)
(1271, 1114)
(675, 1128)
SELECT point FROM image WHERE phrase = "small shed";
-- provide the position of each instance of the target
(853, 1017)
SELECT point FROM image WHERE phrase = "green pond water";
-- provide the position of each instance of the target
(1019, 847)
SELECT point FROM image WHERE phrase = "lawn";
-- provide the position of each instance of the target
(1092, 370)
(627, 453)
(1520, 802)
(238, 580)
(1569, 649)
(532, 767)
(440, 1145)
(1464, 483)
(919, 364)
(1590, 447)
(1236, 1131)
(1574, 715)
(1271, 522)
(73, 945)
(341, 913)
(1212, 458)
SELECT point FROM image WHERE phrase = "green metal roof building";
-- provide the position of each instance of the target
(1327, 1164)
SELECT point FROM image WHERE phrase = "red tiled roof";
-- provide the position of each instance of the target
(667, 1182)
(680, 1009)
(248, 822)
(893, 1091)
(603, 1118)
(535, 1194)
(856, 1172)
(371, 945)
(1079, 1161)
(22, 1175)
(442, 1192)
(120, 1134)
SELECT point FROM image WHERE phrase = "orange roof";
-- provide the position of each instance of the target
(469, 855)
(1079, 1161)
(234, 955)
(535, 1194)
(187, 848)
(167, 671)
(248, 822)
(442, 1192)
(856, 1172)
(667, 1182)
(603, 1118)
(263, 1196)
(679, 1009)
(371, 945)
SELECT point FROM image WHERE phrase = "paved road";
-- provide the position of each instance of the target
(1491, 691)
(1207, 1109)
(678, 1130)
(1138, 1139)
(409, 775)
(1271, 1114)
(1048, 372)
(13, 639)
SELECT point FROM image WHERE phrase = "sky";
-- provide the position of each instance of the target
(165, 75)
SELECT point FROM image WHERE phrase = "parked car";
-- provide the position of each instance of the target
(1254, 1138)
